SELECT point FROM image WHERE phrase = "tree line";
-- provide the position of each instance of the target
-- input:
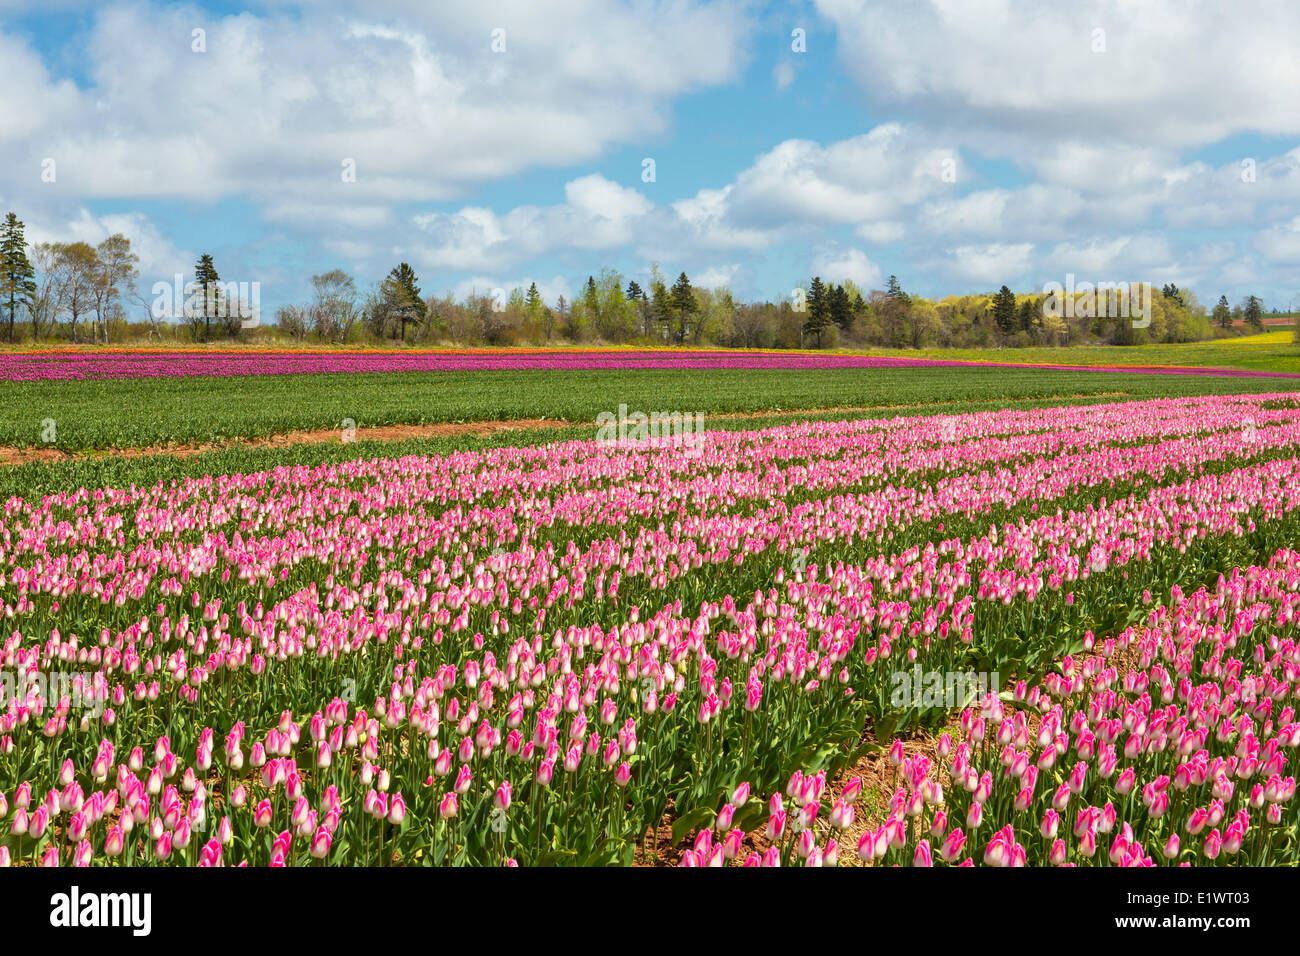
(79, 292)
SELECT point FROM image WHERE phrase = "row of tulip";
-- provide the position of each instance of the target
(1170, 745)
(125, 364)
(330, 665)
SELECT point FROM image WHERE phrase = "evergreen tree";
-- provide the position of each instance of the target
(405, 301)
(1030, 317)
(1253, 310)
(895, 292)
(1223, 313)
(896, 314)
(818, 309)
(661, 309)
(209, 283)
(591, 300)
(562, 314)
(641, 303)
(841, 308)
(683, 304)
(17, 277)
(1004, 310)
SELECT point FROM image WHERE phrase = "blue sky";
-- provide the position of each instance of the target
(959, 145)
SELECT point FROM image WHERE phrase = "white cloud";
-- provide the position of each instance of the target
(992, 263)
(881, 233)
(414, 95)
(1033, 211)
(1281, 243)
(598, 201)
(1238, 272)
(549, 289)
(717, 277)
(788, 192)
(853, 264)
(1119, 258)
(425, 109)
(862, 179)
(597, 214)
(704, 217)
(1173, 74)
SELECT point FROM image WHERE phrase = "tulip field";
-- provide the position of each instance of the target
(581, 652)
(128, 364)
(123, 400)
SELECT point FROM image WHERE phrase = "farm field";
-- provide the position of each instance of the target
(1268, 351)
(963, 616)
(134, 407)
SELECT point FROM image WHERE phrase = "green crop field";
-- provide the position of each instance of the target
(95, 414)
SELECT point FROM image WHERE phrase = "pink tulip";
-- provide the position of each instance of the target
(448, 809)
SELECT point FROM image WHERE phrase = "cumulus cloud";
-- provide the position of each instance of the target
(789, 192)
(276, 104)
(852, 264)
(1281, 243)
(368, 133)
(1025, 66)
(549, 289)
(597, 214)
(859, 180)
(717, 277)
(995, 262)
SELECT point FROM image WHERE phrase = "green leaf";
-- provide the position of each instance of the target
(691, 821)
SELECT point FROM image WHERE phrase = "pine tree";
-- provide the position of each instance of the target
(841, 308)
(683, 304)
(562, 314)
(209, 283)
(661, 309)
(1254, 312)
(1223, 313)
(897, 314)
(641, 302)
(818, 309)
(17, 277)
(404, 292)
(895, 291)
(1030, 317)
(1004, 310)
